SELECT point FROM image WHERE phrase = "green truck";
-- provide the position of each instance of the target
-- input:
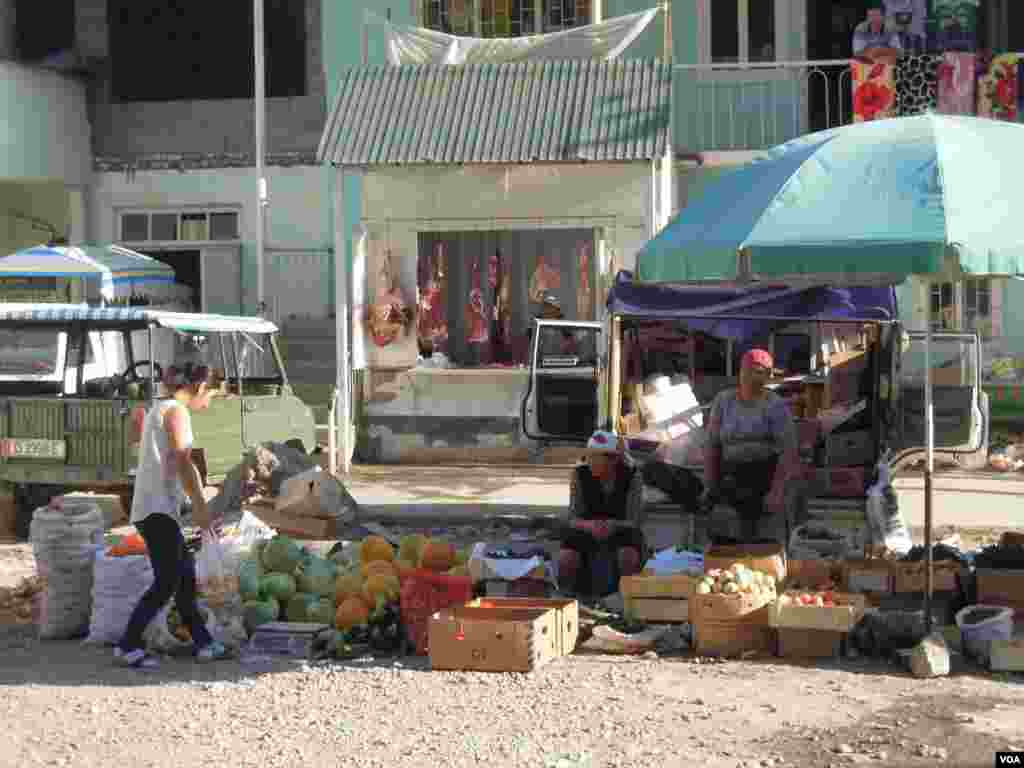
(74, 379)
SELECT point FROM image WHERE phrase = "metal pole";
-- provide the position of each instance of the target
(259, 43)
(343, 364)
(929, 417)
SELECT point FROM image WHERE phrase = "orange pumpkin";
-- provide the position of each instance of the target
(383, 567)
(351, 613)
(347, 585)
(380, 588)
(438, 556)
(376, 548)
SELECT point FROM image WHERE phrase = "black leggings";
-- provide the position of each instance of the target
(745, 486)
(174, 575)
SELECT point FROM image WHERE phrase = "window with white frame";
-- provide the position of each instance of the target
(174, 226)
(741, 31)
(965, 305)
(505, 18)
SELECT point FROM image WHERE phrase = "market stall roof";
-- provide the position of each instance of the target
(630, 297)
(120, 264)
(554, 111)
(131, 317)
(867, 203)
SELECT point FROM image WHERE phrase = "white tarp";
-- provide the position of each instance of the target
(604, 40)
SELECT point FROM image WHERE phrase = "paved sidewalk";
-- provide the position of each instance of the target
(464, 493)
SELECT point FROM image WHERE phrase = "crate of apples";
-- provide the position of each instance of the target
(737, 579)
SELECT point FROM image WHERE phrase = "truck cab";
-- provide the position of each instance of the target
(76, 381)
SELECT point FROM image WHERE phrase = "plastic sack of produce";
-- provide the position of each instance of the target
(65, 540)
(118, 584)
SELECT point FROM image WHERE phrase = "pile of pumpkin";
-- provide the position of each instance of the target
(374, 579)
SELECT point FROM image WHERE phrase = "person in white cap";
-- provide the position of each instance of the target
(600, 488)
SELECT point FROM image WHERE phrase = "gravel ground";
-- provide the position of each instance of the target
(66, 704)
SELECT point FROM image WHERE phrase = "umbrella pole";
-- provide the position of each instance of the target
(929, 427)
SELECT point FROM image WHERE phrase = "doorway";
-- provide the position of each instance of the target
(830, 29)
(188, 270)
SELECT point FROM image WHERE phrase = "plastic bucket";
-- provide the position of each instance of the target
(980, 625)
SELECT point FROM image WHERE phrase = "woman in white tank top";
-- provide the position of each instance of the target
(166, 476)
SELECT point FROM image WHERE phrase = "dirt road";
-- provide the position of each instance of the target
(65, 704)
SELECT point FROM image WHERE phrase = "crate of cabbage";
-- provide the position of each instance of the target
(356, 591)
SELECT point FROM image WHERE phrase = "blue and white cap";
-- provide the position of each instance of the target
(604, 442)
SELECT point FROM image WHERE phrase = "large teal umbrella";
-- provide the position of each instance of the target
(871, 202)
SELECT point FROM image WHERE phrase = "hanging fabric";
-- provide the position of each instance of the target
(496, 279)
(603, 41)
(388, 314)
(545, 278)
(998, 89)
(476, 317)
(584, 297)
(956, 83)
(431, 322)
(874, 91)
(917, 77)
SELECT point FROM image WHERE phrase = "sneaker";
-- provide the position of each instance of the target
(212, 652)
(135, 659)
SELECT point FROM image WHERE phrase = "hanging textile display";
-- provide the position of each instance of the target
(917, 84)
(417, 45)
(431, 322)
(874, 91)
(545, 278)
(956, 83)
(952, 25)
(498, 278)
(584, 297)
(998, 89)
(388, 316)
(476, 317)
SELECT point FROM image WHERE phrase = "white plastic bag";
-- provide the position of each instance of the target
(885, 522)
(251, 530)
(216, 580)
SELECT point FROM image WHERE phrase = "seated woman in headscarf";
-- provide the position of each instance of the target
(600, 527)
(752, 449)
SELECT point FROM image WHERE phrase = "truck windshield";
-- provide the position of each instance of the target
(29, 351)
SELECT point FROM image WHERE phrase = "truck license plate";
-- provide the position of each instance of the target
(33, 448)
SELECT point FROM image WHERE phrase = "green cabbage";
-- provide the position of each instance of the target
(280, 586)
(317, 576)
(249, 573)
(257, 612)
(282, 555)
(299, 606)
(323, 612)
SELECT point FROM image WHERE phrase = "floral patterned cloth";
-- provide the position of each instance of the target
(917, 84)
(874, 91)
(957, 79)
(998, 90)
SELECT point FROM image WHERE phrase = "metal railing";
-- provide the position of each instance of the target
(751, 106)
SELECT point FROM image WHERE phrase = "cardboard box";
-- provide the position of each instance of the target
(1001, 587)
(843, 617)
(492, 639)
(567, 615)
(810, 643)
(298, 527)
(768, 558)
(868, 576)
(911, 577)
(738, 607)
(658, 599)
(811, 573)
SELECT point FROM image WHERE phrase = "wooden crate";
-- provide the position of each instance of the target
(873, 576)
(725, 638)
(911, 577)
(492, 639)
(842, 618)
(658, 599)
(798, 643)
(769, 558)
(1001, 587)
(567, 615)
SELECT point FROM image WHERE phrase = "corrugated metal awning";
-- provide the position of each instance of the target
(567, 111)
(129, 317)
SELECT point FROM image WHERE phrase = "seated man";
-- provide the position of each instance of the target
(599, 538)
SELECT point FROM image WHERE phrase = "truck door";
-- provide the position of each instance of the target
(961, 413)
(561, 400)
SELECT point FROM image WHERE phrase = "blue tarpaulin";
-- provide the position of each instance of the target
(742, 312)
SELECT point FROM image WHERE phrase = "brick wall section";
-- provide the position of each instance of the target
(197, 134)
